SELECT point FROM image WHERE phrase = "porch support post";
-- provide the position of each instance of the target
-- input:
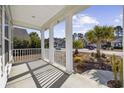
(69, 59)
(42, 45)
(51, 44)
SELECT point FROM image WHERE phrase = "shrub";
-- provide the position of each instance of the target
(121, 71)
(95, 55)
(77, 44)
(103, 55)
(92, 54)
(77, 59)
(112, 48)
(117, 67)
(114, 66)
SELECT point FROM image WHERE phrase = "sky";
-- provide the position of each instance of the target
(110, 15)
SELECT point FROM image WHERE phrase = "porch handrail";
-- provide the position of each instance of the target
(26, 54)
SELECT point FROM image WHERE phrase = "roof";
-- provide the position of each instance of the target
(21, 34)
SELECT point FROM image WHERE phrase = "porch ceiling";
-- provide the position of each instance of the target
(37, 17)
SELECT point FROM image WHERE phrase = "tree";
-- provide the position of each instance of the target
(77, 44)
(35, 40)
(25, 44)
(20, 43)
(100, 34)
(17, 43)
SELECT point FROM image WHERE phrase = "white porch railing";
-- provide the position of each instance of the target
(47, 54)
(60, 57)
(30, 54)
(23, 55)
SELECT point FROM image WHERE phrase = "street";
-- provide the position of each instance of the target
(109, 52)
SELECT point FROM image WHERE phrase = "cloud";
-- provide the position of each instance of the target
(81, 19)
(83, 23)
(121, 16)
(117, 20)
(88, 20)
(82, 29)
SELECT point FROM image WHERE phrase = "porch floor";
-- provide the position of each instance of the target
(36, 74)
(40, 74)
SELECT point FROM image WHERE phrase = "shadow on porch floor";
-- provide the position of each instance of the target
(36, 74)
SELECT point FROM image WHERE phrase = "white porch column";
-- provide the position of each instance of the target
(42, 45)
(69, 59)
(51, 44)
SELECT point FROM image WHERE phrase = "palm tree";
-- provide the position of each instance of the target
(77, 44)
(100, 34)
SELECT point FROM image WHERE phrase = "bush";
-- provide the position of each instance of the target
(103, 55)
(112, 48)
(77, 59)
(117, 68)
(93, 54)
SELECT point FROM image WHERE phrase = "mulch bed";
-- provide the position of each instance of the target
(89, 64)
(92, 65)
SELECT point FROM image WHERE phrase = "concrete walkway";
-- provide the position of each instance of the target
(89, 79)
(79, 81)
(36, 74)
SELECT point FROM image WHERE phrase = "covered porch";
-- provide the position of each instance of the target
(38, 67)
(46, 17)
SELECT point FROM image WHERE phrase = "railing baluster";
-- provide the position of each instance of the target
(23, 55)
(28, 54)
(20, 54)
(16, 56)
(31, 53)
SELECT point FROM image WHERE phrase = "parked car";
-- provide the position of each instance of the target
(90, 47)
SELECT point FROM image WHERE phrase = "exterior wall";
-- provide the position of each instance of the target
(5, 35)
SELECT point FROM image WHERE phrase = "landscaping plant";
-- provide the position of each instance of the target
(117, 68)
(98, 35)
(77, 44)
(77, 61)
